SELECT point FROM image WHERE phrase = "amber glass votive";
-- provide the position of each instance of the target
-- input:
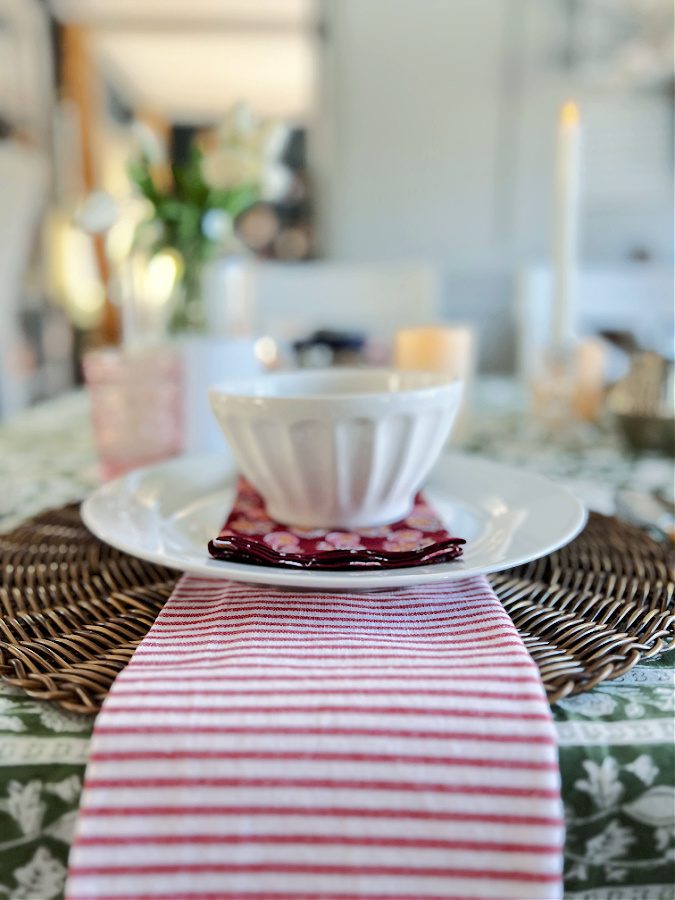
(136, 406)
(441, 348)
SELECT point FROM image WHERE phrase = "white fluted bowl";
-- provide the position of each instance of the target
(337, 448)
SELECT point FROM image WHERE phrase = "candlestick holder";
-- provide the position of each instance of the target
(568, 384)
(552, 387)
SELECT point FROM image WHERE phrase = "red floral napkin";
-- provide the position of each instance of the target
(250, 536)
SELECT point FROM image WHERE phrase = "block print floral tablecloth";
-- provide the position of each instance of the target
(616, 758)
(616, 741)
(42, 758)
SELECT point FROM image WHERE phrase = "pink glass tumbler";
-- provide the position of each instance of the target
(136, 399)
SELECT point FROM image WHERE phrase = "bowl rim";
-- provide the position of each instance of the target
(238, 389)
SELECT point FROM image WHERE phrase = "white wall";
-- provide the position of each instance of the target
(416, 120)
(435, 141)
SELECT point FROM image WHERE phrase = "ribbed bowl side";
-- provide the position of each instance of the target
(338, 472)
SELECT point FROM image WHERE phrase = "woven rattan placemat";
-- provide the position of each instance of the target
(72, 609)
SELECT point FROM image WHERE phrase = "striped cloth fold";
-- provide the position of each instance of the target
(264, 744)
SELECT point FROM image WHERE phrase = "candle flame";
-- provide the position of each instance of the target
(569, 113)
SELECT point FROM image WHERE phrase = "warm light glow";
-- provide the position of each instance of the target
(120, 239)
(569, 113)
(160, 277)
(73, 272)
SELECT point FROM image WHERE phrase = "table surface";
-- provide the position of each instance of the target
(616, 741)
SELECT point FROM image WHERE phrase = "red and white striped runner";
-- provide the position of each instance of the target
(394, 744)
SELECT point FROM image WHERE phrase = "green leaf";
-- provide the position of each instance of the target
(234, 200)
(190, 185)
(62, 829)
(655, 807)
(139, 174)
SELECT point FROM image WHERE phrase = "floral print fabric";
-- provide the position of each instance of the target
(250, 536)
(42, 756)
(617, 764)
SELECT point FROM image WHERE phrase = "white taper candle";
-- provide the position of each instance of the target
(566, 226)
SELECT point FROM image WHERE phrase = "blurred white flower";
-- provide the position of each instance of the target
(276, 182)
(245, 148)
(229, 167)
(275, 140)
(217, 225)
(98, 213)
(150, 144)
(237, 124)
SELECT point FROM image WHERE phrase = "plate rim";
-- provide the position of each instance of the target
(328, 580)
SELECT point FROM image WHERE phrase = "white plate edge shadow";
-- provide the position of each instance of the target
(123, 494)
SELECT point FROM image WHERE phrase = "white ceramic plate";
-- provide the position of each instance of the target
(167, 513)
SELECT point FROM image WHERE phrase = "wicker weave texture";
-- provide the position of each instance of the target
(73, 610)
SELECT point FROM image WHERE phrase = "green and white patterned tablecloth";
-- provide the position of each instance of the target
(616, 741)
(616, 760)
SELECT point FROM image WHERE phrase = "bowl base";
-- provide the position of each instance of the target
(383, 515)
